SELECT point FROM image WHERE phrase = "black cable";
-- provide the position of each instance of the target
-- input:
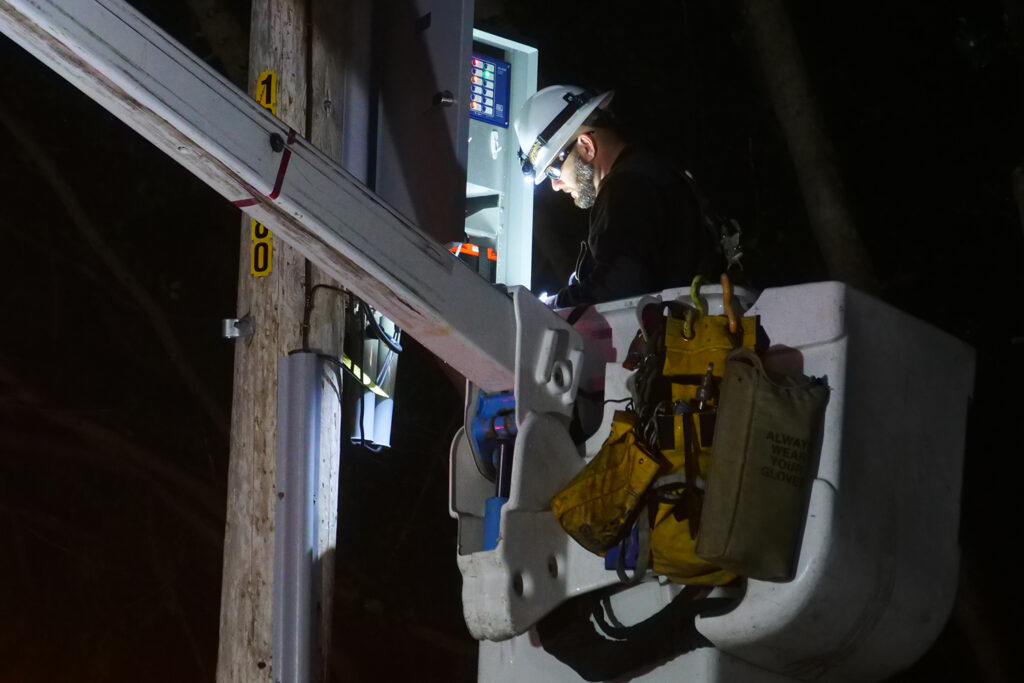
(391, 342)
(307, 304)
(338, 364)
(361, 397)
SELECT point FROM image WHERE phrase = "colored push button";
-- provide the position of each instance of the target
(490, 88)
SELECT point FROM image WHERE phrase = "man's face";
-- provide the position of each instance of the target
(577, 180)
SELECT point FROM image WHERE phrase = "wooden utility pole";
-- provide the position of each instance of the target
(288, 39)
(778, 57)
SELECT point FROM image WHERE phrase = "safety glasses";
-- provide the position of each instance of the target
(554, 169)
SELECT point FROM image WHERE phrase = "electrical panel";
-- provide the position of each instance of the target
(489, 90)
(415, 80)
(501, 75)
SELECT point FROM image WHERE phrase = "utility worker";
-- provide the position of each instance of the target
(646, 229)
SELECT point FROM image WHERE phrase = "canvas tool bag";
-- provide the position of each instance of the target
(767, 435)
(599, 504)
(651, 469)
(675, 501)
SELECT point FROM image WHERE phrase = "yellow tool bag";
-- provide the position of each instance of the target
(671, 522)
(767, 436)
(651, 470)
(695, 352)
(600, 503)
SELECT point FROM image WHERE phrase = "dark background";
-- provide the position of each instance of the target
(113, 456)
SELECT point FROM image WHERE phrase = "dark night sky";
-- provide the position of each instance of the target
(113, 474)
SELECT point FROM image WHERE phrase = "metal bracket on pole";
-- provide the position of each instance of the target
(234, 328)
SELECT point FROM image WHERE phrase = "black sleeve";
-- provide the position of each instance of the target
(631, 247)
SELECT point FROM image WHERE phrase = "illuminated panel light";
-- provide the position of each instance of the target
(478, 63)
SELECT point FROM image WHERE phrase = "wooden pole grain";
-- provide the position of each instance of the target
(289, 39)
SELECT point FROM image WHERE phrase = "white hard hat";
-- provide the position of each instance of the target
(547, 121)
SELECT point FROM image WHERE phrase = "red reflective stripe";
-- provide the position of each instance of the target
(466, 248)
(286, 156)
(282, 168)
(491, 254)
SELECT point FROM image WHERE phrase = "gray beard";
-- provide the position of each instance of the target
(586, 193)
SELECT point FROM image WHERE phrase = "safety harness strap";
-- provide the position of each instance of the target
(725, 232)
(643, 549)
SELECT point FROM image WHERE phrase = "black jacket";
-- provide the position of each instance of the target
(646, 234)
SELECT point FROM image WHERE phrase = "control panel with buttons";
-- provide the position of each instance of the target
(489, 90)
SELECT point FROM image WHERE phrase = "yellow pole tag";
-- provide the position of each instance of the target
(266, 90)
(262, 255)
